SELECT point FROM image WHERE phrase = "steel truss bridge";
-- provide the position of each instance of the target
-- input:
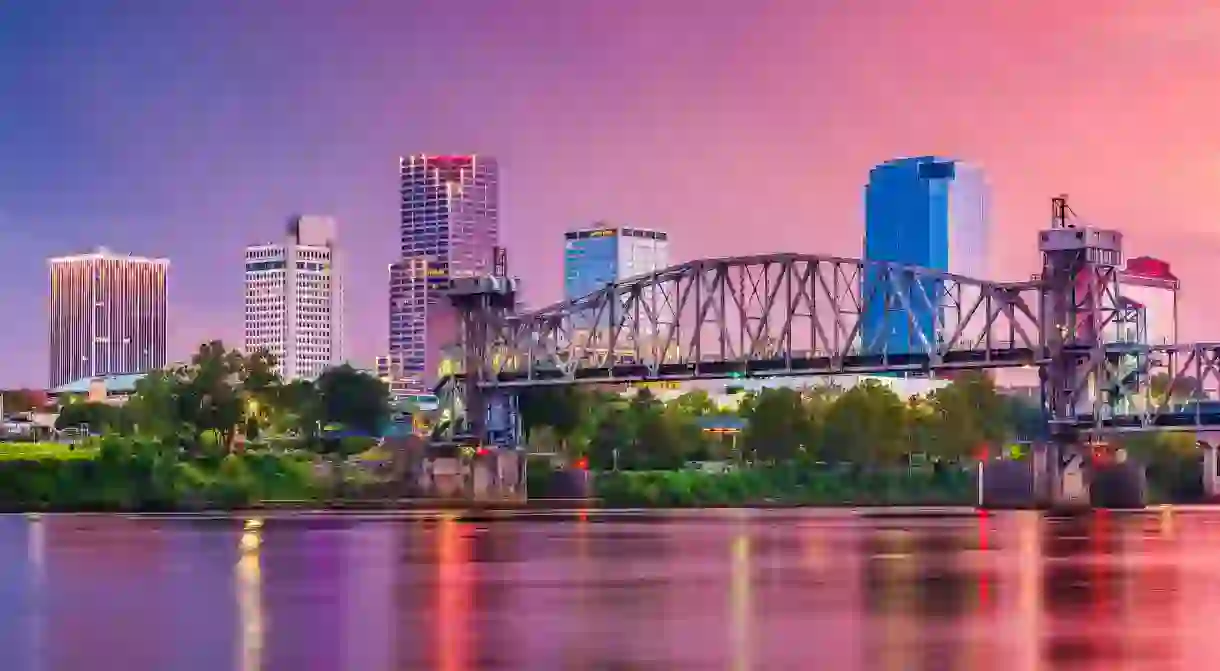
(794, 314)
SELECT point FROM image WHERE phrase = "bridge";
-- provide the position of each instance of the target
(810, 315)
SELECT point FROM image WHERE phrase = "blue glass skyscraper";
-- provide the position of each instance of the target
(594, 258)
(923, 211)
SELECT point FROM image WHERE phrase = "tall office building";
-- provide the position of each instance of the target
(449, 228)
(923, 211)
(108, 314)
(294, 298)
(599, 256)
(605, 254)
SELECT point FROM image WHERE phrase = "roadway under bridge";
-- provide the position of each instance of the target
(798, 314)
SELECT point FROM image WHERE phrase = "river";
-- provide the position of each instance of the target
(568, 590)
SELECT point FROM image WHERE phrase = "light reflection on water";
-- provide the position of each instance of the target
(582, 590)
(248, 581)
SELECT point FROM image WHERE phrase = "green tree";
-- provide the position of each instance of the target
(697, 403)
(99, 417)
(778, 426)
(154, 409)
(614, 438)
(867, 423)
(210, 398)
(296, 407)
(969, 415)
(353, 399)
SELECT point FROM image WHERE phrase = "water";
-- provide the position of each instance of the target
(703, 590)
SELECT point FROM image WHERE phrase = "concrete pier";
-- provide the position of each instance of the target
(1050, 481)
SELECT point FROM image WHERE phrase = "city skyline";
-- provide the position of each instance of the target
(609, 134)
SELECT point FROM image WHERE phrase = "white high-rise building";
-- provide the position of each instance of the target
(294, 299)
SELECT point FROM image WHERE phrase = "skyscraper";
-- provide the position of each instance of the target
(108, 314)
(449, 228)
(923, 211)
(294, 298)
(598, 256)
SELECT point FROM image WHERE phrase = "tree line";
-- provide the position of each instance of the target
(867, 423)
(222, 394)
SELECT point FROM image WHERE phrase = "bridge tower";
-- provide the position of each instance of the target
(1080, 269)
(484, 304)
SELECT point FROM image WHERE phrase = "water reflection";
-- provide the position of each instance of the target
(738, 590)
(250, 598)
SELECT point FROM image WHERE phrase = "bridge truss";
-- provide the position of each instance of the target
(785, 314)
(794, 314)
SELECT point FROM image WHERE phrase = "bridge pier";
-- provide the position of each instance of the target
(1060, 480)
(1211, 460)
(1063, 478)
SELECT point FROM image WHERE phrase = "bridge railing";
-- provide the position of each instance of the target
(777, 314)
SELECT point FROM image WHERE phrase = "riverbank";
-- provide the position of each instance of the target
(134, 475)
(782, 486)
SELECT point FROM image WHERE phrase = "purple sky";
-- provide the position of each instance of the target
(194, 127)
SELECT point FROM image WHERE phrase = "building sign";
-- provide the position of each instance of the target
(599, 233)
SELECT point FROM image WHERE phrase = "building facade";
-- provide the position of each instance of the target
(294, 299)
(449, 228)
(603, 255)
(107, 315)
(923, 211)
(595, 257)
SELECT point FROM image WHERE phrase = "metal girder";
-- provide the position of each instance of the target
(779, 314)
(1155, 388)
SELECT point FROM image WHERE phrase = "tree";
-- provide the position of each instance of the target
(295, 406)
(778, 427)
(353, 399)
(154, 409)
(99, 417)
(564, 410)
(866, 423)
(696, 403)
(969, 414)
(209, 394)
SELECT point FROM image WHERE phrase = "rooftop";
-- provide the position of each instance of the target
(105, 253)
(115, 384)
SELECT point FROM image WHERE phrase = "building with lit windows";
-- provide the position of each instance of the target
(449, 228)
(924, 211)
(294, 299)
(107, 315)
(603, 255)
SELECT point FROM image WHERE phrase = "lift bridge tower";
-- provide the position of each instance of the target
(1080, 312)
(488, 417)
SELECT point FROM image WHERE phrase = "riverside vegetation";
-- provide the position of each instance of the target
(825, 446)
(192, 437)
(224, 431)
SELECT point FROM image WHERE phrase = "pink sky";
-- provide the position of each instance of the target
(737, 127)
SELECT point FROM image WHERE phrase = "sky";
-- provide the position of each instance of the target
(189, 129)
